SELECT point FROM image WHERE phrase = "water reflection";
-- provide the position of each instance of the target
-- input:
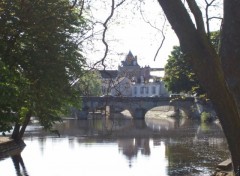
(19, 165)
(131, 147)
(127, 147)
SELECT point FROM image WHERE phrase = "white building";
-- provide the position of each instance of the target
(131, 80)
(122, 87)
(154, 89)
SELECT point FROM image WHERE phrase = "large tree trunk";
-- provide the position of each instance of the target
(15, 132)
(19, 130)
(25, 124)
(230, 46)
(207, 65)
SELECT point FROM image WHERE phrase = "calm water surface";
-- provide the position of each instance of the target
(120, 147)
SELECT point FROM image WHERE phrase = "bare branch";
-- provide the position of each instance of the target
(120, 3)
(74, 3)
(219, 18)
(81, 4)
(161, 41)
(153, 26)
(104, 36)
(81, 8)
(113, 7)
(207, 17)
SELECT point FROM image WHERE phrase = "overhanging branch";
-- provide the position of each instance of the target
(197, 15)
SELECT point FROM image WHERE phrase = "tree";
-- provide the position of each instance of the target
(179, 76)
(218, 73)
(9, 93)
(39, 59)
(89, 84)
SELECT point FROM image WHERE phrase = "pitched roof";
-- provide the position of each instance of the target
(110, 74)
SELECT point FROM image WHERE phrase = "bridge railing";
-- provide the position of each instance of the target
(148, 99)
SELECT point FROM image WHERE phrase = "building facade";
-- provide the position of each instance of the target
(154, 89)
(131, 80)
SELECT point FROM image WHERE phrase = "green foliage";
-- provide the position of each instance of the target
(90, 84)
(12, 87)
(39, 58)
(215, 40)
(179, 76)
(205, 117)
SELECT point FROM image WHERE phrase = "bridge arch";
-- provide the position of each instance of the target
(137, 106)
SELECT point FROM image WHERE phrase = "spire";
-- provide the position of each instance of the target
(129, 56)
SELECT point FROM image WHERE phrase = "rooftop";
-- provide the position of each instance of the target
(110, 74)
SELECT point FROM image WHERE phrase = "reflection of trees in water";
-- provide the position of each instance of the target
(180, 159)
(188, 154)
(19, 165)
(184, 159)
(188, 143)
(42, 143)
(120, 127)
(93, 127)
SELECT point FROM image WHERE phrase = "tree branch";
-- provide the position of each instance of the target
(207, 17)
(197, 15)
(113, 7)
(104, 36)
(74, 3)
(161, 44)
(153, 26)
(81, 8)
(120, 3)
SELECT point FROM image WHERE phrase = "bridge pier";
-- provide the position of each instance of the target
(138, 113)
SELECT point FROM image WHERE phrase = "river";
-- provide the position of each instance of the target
(120, 146)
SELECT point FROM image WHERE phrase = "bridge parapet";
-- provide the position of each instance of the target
(137, 106)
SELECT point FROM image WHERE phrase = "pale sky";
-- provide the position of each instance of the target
(128, 31)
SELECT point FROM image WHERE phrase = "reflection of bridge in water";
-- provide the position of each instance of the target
(137, 106)
(130, 128)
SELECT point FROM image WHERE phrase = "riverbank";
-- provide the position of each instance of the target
(223, 173)
(9, 147)
(4, 140)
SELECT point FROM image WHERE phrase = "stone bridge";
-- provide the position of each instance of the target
(137, 106)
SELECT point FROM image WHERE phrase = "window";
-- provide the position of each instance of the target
(135, 90)
(141, 90)
(147, 90)
(153, 90)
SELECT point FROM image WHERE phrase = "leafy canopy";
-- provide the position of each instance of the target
(90, 83)
(179, 76)
(39, 58)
